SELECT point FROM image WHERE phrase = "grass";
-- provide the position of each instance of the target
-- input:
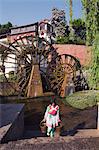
(82, 99)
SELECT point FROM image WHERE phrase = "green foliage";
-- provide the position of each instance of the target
(91, 8)
(68, 40)
(78, 40)
(91, 19)
(77, 36)
(12, 76)
(3, 54)
(2, 78)
(5, 28)
(80, 29)
(78, 23)
(94, 68)
(62, 40)
(82, 100)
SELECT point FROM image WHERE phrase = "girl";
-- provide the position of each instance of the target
(51, 118)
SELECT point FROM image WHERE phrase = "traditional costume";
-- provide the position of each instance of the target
(52, 119)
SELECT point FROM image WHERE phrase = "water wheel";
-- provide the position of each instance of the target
(28, 57)
(36, 68)
(62, 73)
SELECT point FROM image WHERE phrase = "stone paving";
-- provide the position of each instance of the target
(45, 143)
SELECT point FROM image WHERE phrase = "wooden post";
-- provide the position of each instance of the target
(63, 87)
(98, 117)
(35, 84)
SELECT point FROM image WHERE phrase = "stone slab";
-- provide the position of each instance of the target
(87, 133)
(11, 121)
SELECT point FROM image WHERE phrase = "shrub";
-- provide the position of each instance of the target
(83, 99)
(2, 78)
(12, 76)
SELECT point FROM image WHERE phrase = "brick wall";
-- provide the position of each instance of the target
(81, 52)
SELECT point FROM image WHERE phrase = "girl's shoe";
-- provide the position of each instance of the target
(48, 134)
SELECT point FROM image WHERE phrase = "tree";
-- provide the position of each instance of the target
(71, 35)
(94, 68)
(5, 28)
(91, 8)
(71, 30)
(63, 40)
(80, 31)
(58, 22)
(71, 11)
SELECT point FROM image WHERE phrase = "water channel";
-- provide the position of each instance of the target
(72, 118)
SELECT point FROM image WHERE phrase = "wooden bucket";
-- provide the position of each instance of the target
(58, 129)
(43, 126)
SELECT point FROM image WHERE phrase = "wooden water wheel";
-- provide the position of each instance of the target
(62, 73)
(28, 57)
(37, 67)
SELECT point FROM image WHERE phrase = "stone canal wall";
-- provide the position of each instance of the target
(11, 122)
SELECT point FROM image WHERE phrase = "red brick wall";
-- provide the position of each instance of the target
(81, 52)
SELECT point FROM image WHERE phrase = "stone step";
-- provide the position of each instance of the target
(42, 138)
(87, 133)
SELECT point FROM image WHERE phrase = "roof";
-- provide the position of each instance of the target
(28, 25)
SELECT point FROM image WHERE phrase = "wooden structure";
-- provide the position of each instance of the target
(38, 67)
(35, 84)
